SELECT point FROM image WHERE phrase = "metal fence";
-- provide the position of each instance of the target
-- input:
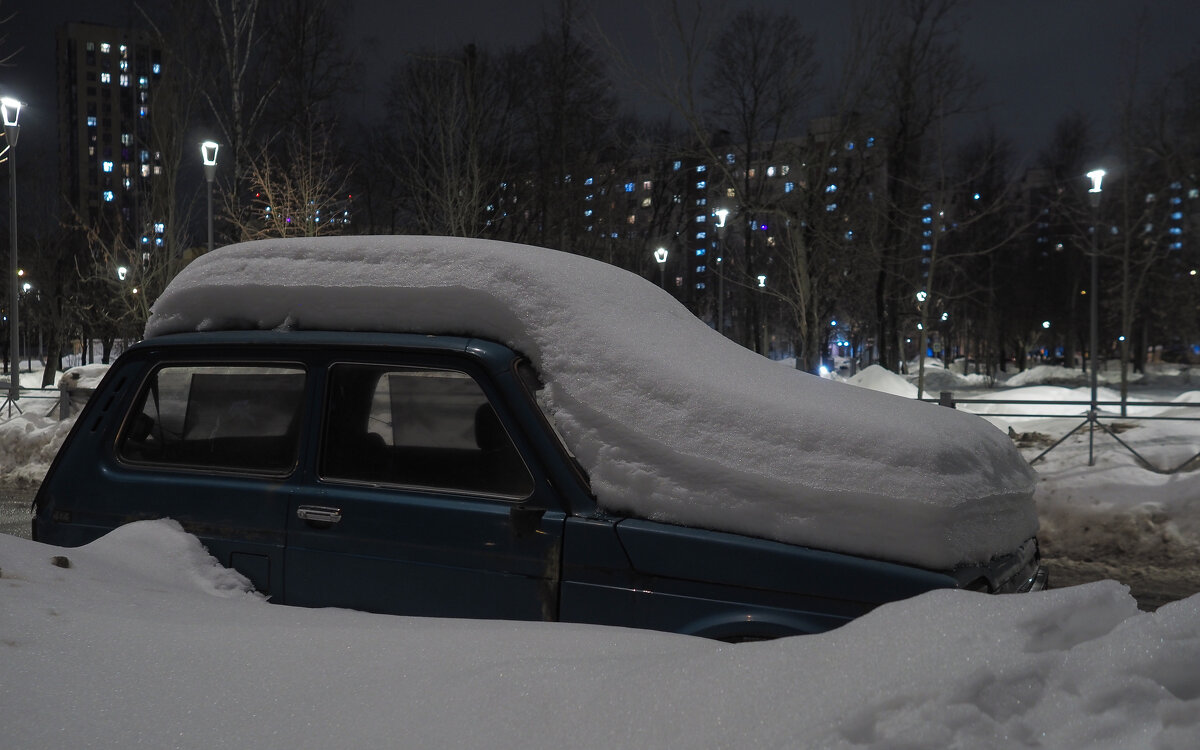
(61, 402)
(1092, 420)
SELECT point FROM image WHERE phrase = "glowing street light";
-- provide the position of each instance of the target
(10, 109)
(660, 255)
(208, 154)
(722, 214)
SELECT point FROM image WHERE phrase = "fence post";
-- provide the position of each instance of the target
(946, 398)
(64, 403)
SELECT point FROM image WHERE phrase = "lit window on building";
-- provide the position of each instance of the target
(702, 168)
(588, 212)
(108, 196)
(632, 219)
(588, 181)
(702, 184)
(701, 218)
(107, 166)
(701, 269)
(160, 227)
(730, 192)
(770, 171)
(702, 251)
(701, 235)
(143, 82)
(871, 142)
(646, 202)
(143, 111)
(629, 187)
(125, 80)
(831, 188)
(789, 187)
(849, 145)
(700, 285)
(752, 173)
(105, 48)
(677, 166)
(156, 68)
(646, 184)
(106, 78)
(831, 207)
(91, 121)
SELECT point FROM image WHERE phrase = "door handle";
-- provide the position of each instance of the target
(319, 514)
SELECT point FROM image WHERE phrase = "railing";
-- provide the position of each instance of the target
(1091, 420)
(67, 401)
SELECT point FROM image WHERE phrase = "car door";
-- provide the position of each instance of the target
(212, 445)
(423, 503)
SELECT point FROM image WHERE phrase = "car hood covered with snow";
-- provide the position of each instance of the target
(673, 421)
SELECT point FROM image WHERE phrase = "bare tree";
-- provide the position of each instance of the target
(919, 80)
(450, 124)
(298, 195)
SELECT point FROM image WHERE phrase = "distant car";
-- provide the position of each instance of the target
(363, 443)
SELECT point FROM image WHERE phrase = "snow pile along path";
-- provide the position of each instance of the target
(672, 421)
(143, 641)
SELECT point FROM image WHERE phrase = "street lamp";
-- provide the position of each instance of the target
(208, 153)
(10, 109)
(721, 214)
(660, 255)
(1096, 176)
(762, 287)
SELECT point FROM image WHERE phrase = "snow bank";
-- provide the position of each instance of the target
(144, 642)
(673, 421)
(878, 378)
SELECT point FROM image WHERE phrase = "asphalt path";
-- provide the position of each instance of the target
(1151, 585)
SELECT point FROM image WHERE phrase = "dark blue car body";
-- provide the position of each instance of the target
(348, 511)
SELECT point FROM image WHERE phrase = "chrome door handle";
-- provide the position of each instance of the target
(319, 514)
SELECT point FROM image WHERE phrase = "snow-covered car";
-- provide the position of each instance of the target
(468, 428)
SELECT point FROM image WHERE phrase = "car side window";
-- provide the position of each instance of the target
(418, 427)
(234, 417)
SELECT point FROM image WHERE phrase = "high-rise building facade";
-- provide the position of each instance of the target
(106, 82)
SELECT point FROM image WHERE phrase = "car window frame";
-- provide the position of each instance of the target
(421, 361)
(131, 411)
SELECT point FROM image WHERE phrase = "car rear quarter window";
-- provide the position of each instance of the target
(418, 427)
(227, 417)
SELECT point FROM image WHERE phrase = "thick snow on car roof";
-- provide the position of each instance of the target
(673, 421)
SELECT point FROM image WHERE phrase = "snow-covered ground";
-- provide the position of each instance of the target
(141, 639)
(144, 641)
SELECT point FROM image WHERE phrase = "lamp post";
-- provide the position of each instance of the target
(762, 288)
(1096, 176)
(11, 110)
(660, 255)
(721, 214)
(26, 288)
(208, 153)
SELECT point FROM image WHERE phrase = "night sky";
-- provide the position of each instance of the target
(1038, 59)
